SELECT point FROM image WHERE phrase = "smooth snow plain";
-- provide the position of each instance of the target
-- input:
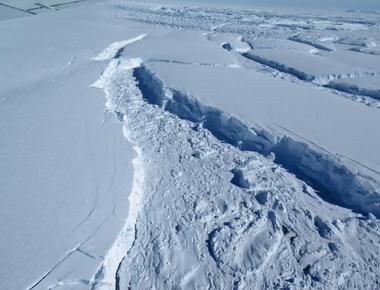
(157, 146)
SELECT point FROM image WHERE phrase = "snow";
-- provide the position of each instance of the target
(321, 118)
(366, 86)
(265, 110)
(125, 239)
(215, 232)
(65, 166)
(116, 48)
(156, 146)
(184, 46)
(305, 66)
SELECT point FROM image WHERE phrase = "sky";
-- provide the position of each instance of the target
(342, 4)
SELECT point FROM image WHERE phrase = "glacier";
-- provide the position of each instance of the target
(173, 145)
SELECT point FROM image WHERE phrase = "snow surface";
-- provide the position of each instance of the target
(146, 146)
(65, 165)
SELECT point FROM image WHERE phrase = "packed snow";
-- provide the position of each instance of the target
(182, 146)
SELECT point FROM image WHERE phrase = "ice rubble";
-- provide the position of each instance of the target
(335, 182)
(224, 218)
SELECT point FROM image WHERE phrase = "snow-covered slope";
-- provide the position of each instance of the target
(145, 146)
